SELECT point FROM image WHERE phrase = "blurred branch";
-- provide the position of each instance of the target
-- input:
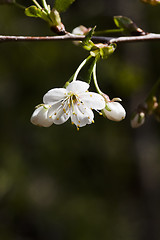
(71, 37)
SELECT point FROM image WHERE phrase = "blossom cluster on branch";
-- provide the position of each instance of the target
(74, 100)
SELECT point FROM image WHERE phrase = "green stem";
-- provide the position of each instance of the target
(18, 5)
(45, 5)
(95, 80)
(100, 33)
(80, 67)
(37, 4)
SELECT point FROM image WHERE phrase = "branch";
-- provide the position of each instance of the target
(72, 37)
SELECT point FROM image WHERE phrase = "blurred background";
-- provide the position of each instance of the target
(99, 183)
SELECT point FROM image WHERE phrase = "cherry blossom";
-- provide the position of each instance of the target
(74, 101)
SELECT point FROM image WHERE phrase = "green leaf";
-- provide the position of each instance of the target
(62, 5)
(127, 25)
(87, 43)
(33, 11)
(88, 36)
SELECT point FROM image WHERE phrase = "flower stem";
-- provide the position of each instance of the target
(80, 67)
(95, 80)
(45, 5)
(37, 4)
(18, 5)
(108, 31)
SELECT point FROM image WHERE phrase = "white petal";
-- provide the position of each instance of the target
(117, 112)
(92, 100)
(81, 116)
(54, 95)
(54, 109)
(59, 115)
(40, 117)
(77, 86)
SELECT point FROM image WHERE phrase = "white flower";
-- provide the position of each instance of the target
(73, 101)
(114, 110)
(40, 116)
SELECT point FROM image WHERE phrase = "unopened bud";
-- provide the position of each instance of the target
(40, 116)
(56, 25)
(80, 30)
(138, 120)
(114, 111)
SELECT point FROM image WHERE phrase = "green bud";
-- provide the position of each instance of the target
(128, 25)
(55, 23)
(106, 51)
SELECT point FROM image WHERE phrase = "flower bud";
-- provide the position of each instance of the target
(114, 111)
(40, 116)
(80, 30)
(137, 120)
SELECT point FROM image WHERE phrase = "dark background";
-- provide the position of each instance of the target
(101, 183)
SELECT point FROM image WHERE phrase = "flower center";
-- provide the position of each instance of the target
(74, 99)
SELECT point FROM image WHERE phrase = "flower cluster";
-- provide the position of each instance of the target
(73, 102)
(77, 103)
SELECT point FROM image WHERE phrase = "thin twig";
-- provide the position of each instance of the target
(72, 37)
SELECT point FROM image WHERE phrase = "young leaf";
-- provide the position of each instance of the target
(88, 36)
(62, 5)
(127, 25)
(33, 11)
(87, 43)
